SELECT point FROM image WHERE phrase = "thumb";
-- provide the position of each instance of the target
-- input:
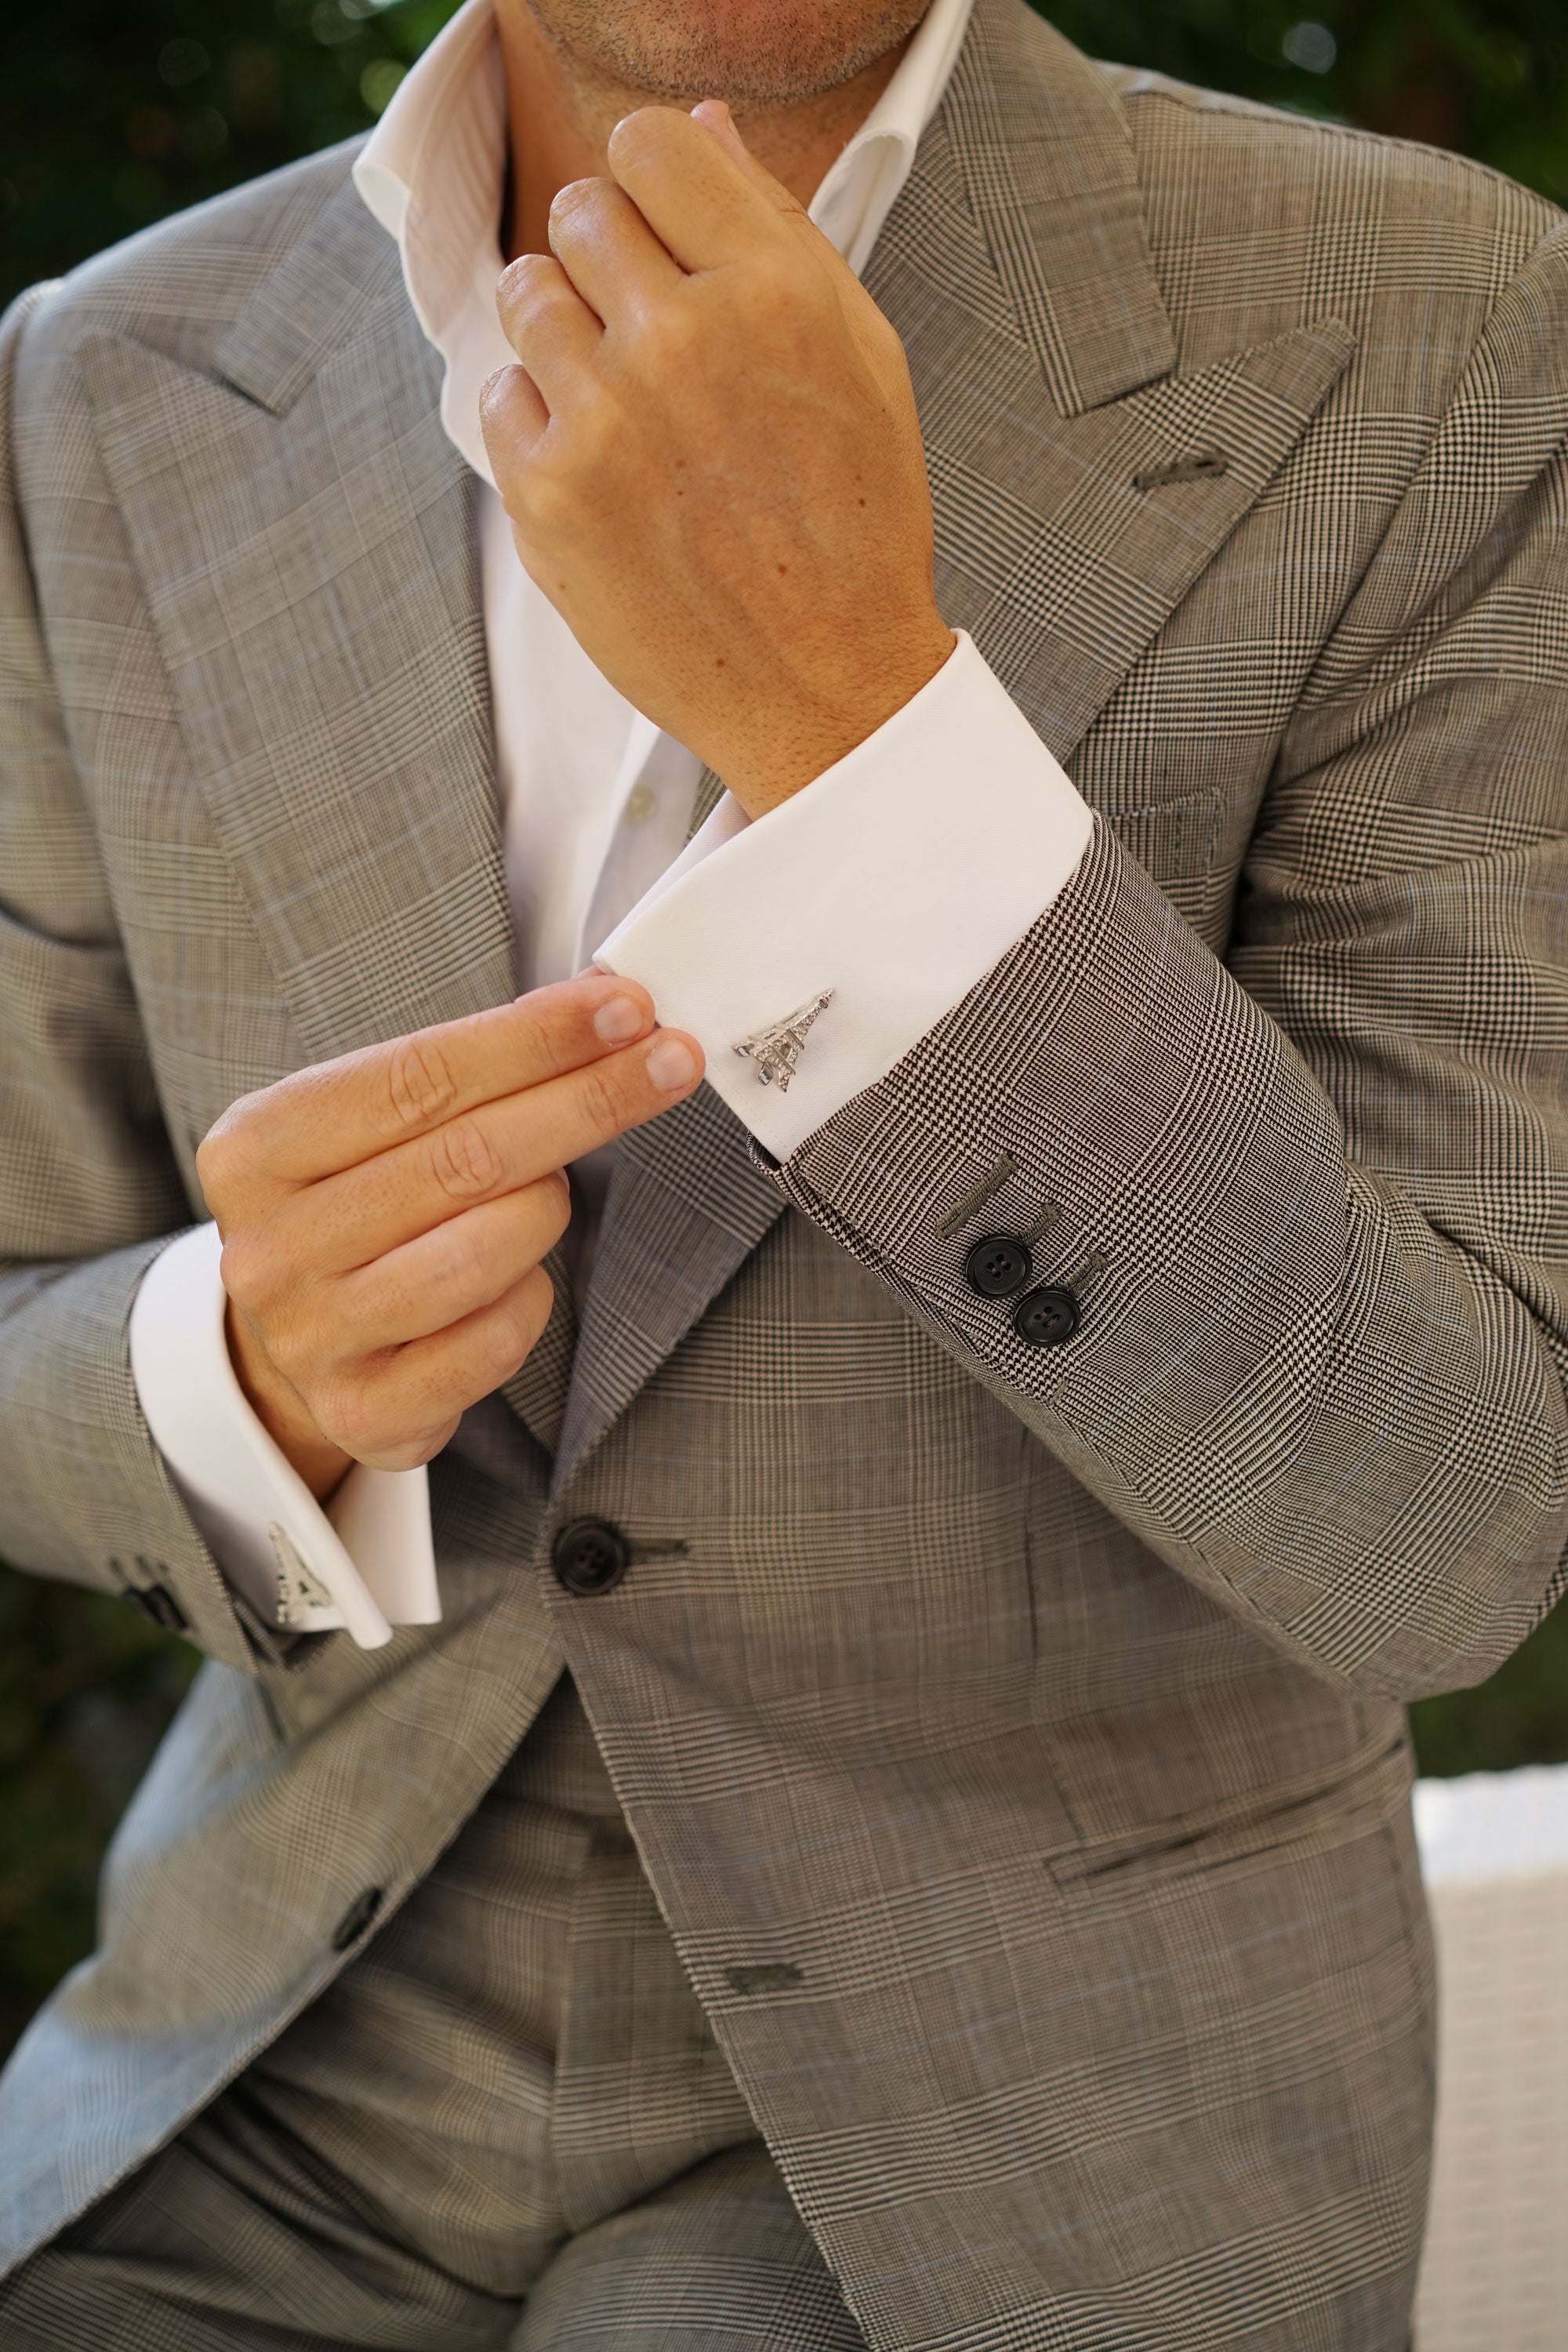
(717, 119)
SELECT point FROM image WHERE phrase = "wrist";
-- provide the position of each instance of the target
(283, 1414)
(777, 755)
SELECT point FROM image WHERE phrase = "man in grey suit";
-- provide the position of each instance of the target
(886, 1820)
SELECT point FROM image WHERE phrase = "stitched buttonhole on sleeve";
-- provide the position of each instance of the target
(1050, 1214)
(964, 1212)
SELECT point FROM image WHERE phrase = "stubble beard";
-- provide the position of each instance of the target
(754, 57)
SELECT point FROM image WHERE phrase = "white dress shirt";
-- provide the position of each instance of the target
(868, 894)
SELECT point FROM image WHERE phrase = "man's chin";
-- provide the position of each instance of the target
(753, 53)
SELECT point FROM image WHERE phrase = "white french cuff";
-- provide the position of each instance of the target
(809, 951)
(366, 1563)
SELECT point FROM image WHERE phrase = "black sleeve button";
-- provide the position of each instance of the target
(590, 1557)
(1045, 1317)
(357, 1918)
(158, 1605)
(163, 1609)
(998, 1266)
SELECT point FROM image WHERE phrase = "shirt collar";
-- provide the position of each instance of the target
(432, 172)
(859, 190)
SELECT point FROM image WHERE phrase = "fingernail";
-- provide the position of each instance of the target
(618, 1020)
(671, 1065)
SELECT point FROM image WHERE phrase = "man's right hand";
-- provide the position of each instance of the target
(384, 1216)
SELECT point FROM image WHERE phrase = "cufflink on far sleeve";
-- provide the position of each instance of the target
(300, 1594)
(777, 1050)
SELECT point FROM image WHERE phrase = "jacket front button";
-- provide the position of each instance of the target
(356, 1918)
(590, 1557)
(998, 1266)
(1045, 1317)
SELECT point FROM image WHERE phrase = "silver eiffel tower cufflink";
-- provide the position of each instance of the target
(776, 1051)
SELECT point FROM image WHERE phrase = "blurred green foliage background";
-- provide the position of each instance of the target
(114, 113)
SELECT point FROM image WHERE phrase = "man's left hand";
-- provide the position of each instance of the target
(712, 459)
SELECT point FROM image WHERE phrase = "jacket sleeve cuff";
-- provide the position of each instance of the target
(366, 1563)
(879, 896)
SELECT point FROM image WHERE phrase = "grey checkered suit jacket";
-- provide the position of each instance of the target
(1013, 1736)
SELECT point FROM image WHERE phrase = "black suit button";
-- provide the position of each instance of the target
(357, 1918)
(590, 1557)
(998, 1266)
(1045, 1317)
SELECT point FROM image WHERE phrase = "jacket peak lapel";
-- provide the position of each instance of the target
(1051, 174)
(317, 299)
(1015, 268)
(312, 577)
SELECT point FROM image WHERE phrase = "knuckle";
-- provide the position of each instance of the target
(601, 424)
(551, 507)
(587, 200)
(244, 1268)
(514, 1330)
(420, 1082)
(538, 294)
(506, 403)
(637, 135)
(462, 1261)
(669, 335)
(412, 1451)
(878, 327)
(299, 1350)
(212, 1157)
(603, 1099)
(521, 279)
(502, 1348)
(770, 287)
(349, 1412)
(223, 1149)
(463, 1163)
(298, 1361)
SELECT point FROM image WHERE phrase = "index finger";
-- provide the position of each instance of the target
(336, 1114)
(700, 204)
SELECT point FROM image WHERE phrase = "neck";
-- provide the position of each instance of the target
(560, 121)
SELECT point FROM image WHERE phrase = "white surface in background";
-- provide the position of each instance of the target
(1494, 1851)
(1489, 1825)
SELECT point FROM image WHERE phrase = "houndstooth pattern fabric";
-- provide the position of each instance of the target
(1012, 1739)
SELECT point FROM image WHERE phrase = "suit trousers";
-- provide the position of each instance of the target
(507, 2124)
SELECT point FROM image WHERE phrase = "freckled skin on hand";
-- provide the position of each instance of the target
(691, 320)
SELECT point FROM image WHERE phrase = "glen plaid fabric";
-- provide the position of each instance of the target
(1011, 1739)
(717, 2260)
(498, 2105)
